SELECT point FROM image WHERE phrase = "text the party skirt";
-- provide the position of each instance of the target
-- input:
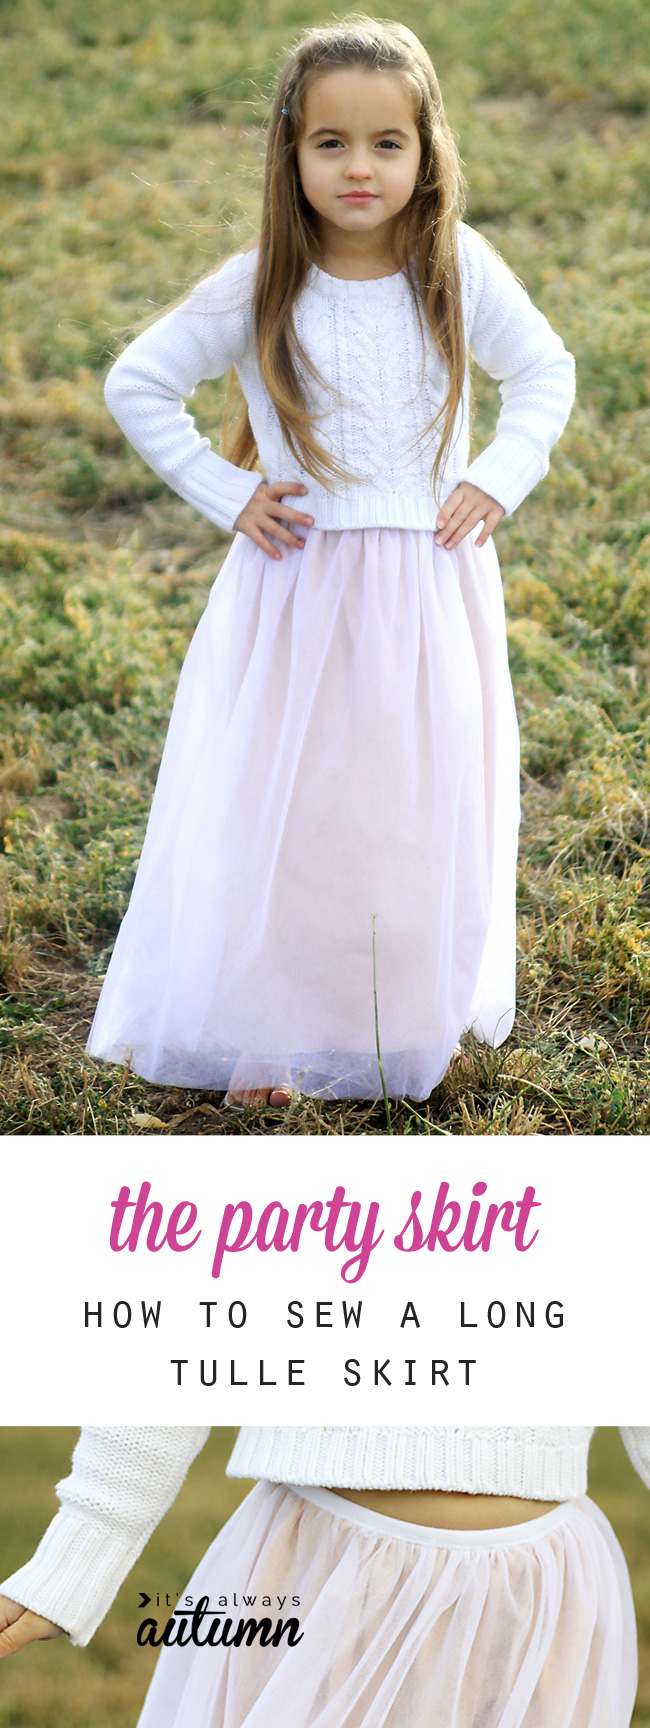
(341, 762)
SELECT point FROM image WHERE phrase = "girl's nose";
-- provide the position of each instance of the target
(358, 167)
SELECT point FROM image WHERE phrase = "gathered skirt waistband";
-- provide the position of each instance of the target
(426, 1535)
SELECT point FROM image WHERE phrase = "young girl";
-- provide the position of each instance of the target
(456, 1576)
(329, 863)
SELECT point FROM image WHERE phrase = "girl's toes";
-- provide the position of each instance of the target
(280, 1097)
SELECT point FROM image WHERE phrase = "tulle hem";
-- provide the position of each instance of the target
(328, 1075)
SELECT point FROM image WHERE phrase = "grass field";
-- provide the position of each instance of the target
(130, 162)
(103, 1685)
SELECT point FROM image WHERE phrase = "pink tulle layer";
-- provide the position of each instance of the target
(404, 1627)
(341, 760)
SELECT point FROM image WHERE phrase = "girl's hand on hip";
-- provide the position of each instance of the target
(19, 1626)
(265, 513)
(461, 512)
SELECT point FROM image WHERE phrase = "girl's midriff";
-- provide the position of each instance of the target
(448, 1511)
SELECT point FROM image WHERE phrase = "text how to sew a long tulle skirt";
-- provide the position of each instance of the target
(342, 758)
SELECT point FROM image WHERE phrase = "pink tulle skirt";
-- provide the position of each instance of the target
(341, 761)
(400, 1626)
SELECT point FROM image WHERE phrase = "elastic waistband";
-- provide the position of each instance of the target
(340, 1507)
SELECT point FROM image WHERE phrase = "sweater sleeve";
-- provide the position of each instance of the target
(146, 388)
(514, 343)
(123, 1480)
(637, 1445)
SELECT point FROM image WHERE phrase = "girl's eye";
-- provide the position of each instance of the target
(337, 144)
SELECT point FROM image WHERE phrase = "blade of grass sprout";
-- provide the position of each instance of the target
(379, 1060)
(431, 1127)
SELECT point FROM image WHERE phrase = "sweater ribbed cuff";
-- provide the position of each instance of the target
(217, 488)
(75, 1574)
(508, 469)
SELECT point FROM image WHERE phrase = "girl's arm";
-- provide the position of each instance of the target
(123, 1480)
(513, 342)
(146, 390)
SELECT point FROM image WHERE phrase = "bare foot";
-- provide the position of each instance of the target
(279, 1097)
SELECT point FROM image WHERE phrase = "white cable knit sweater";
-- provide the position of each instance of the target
(124, 1479)
(380, 386)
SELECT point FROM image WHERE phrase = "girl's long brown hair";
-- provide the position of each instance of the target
(426, 236)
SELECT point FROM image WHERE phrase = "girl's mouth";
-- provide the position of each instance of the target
(358, 197)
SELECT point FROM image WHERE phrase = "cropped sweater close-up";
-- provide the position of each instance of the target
(123, 1480)
(375, 381)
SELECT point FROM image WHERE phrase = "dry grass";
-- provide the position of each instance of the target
(130, 163)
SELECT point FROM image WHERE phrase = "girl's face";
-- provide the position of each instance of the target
(359, 150)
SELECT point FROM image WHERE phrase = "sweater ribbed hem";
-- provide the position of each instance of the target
(487, 1461)
(507, 470)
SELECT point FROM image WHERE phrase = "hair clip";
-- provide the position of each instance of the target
(285, 110)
